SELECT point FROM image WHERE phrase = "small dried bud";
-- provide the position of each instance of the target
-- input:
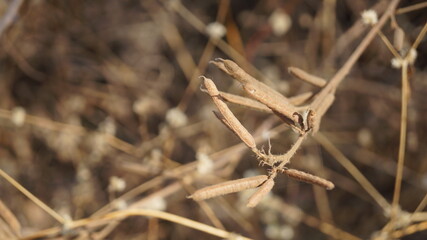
(396, 63)
(204, 163)
(369, 17)
(412, 56)
(399, 38)
(280, 22)
(108, 126)
(116, 184)
(155, 203)
(18, 116)
(216, 30)
(120, 204)
(176, 118)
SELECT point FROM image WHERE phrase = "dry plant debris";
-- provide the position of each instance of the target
(104, 134)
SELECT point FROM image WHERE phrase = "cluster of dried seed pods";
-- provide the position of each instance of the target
(302, 119)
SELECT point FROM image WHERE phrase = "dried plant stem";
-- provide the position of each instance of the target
(72, 129)
(348, 165)
(345, 69)
(221, 44)
(411, 8)
(204, 59)
(291, 152)
(389, 45)
(10, 15)
(210, 213)
(402, 140)
(33, 198)
(10, 219)
(420, 37)
(138, 212)
(411, 229)
(422, 205)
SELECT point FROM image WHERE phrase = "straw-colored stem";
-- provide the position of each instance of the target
(33, 198)
(140, 212)
(402, 141)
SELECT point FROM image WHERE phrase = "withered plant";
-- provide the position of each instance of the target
(303, 118)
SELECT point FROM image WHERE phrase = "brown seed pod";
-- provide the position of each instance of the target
(259, 91)
(308, 178)
(228, 187)
(399, 38)
(260, 193)
(226, 116)
(301, 74)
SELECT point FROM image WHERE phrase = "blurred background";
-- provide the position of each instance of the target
(100, 109)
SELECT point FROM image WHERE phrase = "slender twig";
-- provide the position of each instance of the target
(11, 13)
(420, 37)
(411, 8)
(348, 165)
(402, 141)
(345, 69)
(33, 198)
(139, 212)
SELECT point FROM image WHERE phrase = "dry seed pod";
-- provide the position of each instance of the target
(399, 38)
(227, 117)
(308, 178)
(301, 98)
(228, 187)
(260, 193)
(301, 74)
(257, 90)
(246, 102)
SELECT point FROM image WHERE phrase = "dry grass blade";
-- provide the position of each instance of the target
(309, 78)
(349, 166)
(260, 193)
(228, 187)
(308, 178)
(411, 229)
(10, 15)
(411, 8)
(402, 141)
(10, 219)
(33, 198)
(138, 212)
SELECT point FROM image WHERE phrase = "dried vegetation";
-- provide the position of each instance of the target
(107, 131)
